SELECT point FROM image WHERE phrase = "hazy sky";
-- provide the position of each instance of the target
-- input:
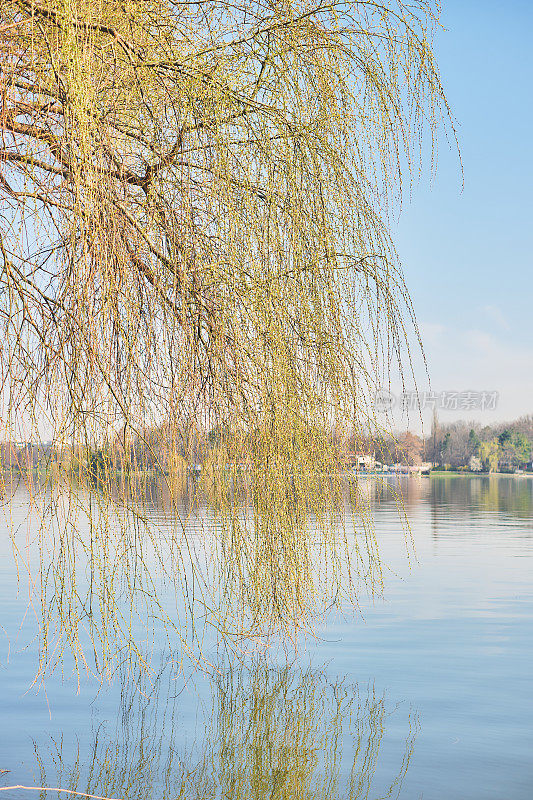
(467, 254)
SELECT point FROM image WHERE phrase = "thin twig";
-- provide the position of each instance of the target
(57, 789)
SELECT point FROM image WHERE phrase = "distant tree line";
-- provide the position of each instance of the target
(501, 447)
(504, 447)
(461, 445)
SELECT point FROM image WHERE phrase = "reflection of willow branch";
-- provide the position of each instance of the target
(281, 734)
(138, 566)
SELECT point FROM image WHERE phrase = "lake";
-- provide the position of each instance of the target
(423, 692)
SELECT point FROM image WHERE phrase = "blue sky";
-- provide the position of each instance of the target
(467, 252)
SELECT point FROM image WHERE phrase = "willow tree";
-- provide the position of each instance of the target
(195, 205)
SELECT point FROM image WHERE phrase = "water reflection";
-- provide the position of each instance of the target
(283, 734)
(233, 560)
(454, 637)
(484, 496)
(469, 495)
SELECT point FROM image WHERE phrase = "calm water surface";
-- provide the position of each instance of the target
(427, 693)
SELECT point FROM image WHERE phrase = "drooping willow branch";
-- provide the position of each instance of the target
(173, 157)
(195, 262)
